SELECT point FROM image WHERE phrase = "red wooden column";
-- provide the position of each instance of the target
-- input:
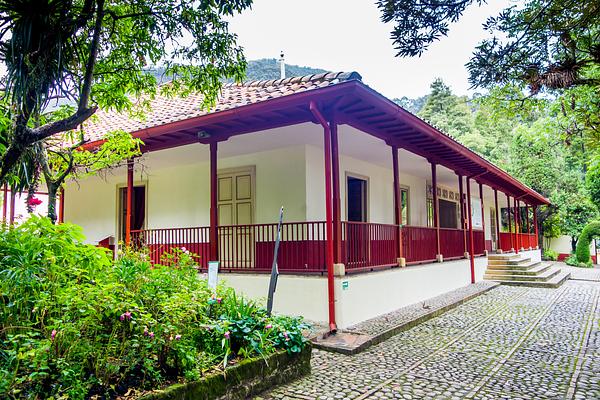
(436, 214)
(528, 226)
(61, 209)
(517, 226)
(535, 227)
(335, 181)
(508, 218)
(213, 230)
(129, 202)
(13, 200)
(497, 220)
(482, 213)
(4, 203)
(397, 207)
(462, 213)
(471, 241)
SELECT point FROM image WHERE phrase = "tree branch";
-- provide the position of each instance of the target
(91, 62)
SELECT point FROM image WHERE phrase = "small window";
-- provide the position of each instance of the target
(405, 202)
(356, 195)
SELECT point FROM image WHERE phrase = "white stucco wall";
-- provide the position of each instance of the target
(364, 296)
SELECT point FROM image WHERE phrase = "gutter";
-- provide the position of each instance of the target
(328, 214)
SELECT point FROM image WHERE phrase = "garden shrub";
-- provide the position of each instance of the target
(76, 323)
(582, 251)
(550, 255)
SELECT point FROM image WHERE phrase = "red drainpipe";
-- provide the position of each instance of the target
(328, 214)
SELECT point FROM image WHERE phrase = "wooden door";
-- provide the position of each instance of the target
(236, 216)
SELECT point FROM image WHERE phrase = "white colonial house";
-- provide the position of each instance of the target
(380, 209)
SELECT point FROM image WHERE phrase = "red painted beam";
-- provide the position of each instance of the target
(328, 214)
(13, 200)
(497, 220)
(508, 218)
(517, 226)
(4, 203)
(482, 210)
(462, 212)
(61, 209)
(535, 226)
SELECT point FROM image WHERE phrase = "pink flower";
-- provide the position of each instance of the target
(268, 326)
(34, 202)
(53, 334)
(285, 335)
(125, 316)
(151, 334)
(183, 249)
(227, 335)
(177, 337)
(145, 331)
(219, 300)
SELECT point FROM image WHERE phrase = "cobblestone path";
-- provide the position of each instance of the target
(510, 343)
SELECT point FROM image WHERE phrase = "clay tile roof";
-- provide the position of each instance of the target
(172, 109)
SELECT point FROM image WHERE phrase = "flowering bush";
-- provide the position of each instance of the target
(76, 324)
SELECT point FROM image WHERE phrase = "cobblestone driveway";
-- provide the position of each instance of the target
(510, 343)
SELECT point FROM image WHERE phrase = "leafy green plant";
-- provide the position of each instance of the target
(550, 254)
(77, 324)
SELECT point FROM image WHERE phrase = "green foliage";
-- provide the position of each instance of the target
(77, 324)
(93, 53)
(575, 212)
(590, 232)
(592, 183)
(550, 255)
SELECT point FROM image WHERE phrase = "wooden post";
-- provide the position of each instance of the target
(335, 181)
(213, 230)
(5, 203)
(471, 241)
(13, 200)
(397, 207)
(482, 213)
(497, 220)
(462, 214)
(509, 219)
(129, 202)
(516, 213)
(436, 214)
(61, 209)
(528, 226)
(535, 227)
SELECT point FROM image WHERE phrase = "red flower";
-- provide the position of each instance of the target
(34, 201)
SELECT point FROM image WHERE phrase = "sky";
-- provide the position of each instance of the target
(348, 35)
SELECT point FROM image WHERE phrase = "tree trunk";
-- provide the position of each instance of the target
(573, 244)
(52, 196)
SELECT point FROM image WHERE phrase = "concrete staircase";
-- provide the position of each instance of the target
(515, 269)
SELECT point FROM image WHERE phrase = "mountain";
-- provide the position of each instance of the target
(411, 105)
(263, 69)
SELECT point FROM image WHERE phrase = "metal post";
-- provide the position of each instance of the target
(436, 214)
(213, 230)
(397, 206)
(471, 241)
(509, 219)
(528, 226)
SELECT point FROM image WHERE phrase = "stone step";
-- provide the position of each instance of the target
(510, 261)
(556, 281)
(536, 269)
(513, 267)
(544, 276)
(504, 256)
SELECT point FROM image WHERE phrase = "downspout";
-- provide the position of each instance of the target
(328, 214)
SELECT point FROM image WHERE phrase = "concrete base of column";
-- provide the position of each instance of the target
(499, 251)
(401, 261)
(339, 269)
(439, 258)
(485, 252)
(466, 255)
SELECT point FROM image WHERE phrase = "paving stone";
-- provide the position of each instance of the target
(510, 343)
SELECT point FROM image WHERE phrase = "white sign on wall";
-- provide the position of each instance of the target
(476, 216)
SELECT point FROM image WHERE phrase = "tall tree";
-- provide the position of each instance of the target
(92, 53)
